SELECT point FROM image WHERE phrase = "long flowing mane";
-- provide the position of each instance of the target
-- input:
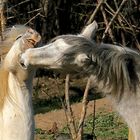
(3, 85)
(116, 67)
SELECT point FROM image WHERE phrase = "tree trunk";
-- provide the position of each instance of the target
(2, 17)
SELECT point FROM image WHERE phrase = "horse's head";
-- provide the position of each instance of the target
(65, 52)
(26, 38)
(24, 41)
(9, 37)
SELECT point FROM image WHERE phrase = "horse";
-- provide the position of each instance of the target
(16, 113)
(9, 36)
(114, 70)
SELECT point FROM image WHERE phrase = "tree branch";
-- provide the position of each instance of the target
(113, 18)
(95, 11)
(84, 110)
(106, 23)
(69, 111)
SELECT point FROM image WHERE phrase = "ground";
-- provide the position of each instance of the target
(45, 121)
(49, 115)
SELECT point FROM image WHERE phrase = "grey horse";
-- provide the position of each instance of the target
(114, 70)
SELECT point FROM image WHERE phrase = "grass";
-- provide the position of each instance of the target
(108, 126)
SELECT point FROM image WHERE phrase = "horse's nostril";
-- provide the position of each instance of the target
(21, 62)
(23, 65)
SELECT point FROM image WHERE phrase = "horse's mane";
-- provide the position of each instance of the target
(3, 85)
(10, 35)
(116, 67)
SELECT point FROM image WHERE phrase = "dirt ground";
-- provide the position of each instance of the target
(47, 88)
(47, 120)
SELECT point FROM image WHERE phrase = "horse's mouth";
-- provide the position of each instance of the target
(33, 42)
(29, 43)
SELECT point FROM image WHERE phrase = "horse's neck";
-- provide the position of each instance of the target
(129, 108)
(18, 122)
(19, 92)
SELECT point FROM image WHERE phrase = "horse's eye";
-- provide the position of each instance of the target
(19, 36)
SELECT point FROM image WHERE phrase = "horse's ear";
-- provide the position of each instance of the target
(90, 30)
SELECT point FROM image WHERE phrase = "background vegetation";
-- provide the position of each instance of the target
(55, 17)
